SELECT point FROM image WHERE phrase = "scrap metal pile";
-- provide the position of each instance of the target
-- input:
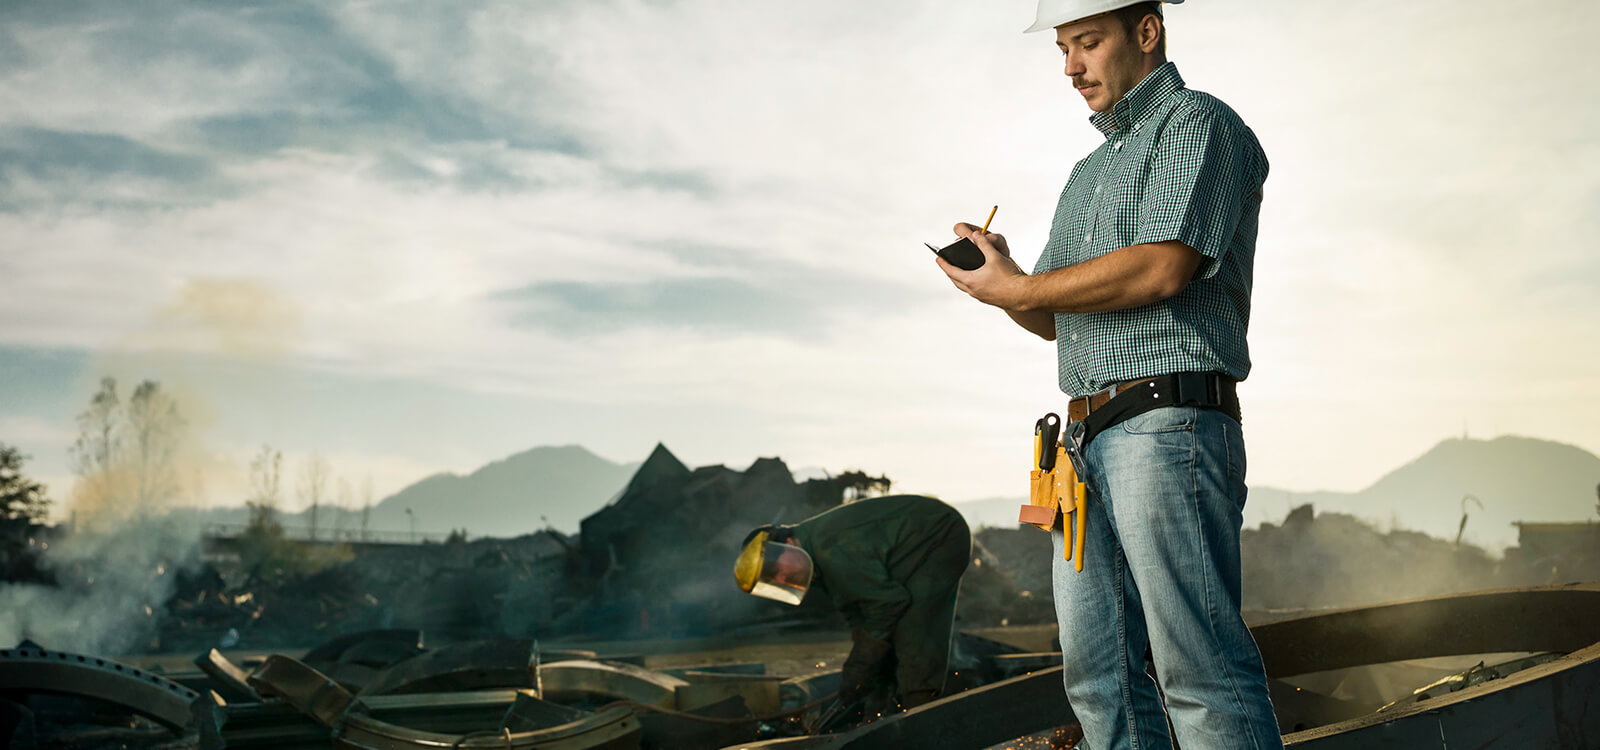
(384, 690)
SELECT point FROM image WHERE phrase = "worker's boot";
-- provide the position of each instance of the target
(917, 697)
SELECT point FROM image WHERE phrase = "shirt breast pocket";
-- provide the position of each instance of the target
(1122, 193)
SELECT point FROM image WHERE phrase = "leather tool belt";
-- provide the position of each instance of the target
(1108, 408)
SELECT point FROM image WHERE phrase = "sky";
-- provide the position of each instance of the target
(412, 237)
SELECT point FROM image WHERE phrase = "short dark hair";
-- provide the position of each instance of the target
(1131, 15)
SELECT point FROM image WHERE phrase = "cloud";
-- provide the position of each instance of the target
(48, 170)
(573, 204)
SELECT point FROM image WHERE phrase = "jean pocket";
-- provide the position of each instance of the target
(1164, 419)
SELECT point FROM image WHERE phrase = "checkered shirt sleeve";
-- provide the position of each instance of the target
(1203, 171)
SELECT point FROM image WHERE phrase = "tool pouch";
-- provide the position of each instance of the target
(1046, 488)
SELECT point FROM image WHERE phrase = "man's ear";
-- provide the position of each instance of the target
(1149, 33)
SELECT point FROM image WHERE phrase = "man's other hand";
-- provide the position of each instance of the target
(863, 669)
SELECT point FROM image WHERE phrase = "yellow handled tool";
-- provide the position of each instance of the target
(1054, 480)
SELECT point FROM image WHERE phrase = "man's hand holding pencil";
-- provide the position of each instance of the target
(995, 282)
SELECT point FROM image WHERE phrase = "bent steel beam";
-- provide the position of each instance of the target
(226, 674)
(277, 725)
(611, 729)
(580, 679)
(312, 692)
(148, 695)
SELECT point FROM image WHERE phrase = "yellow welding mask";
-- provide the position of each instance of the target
(772, 568)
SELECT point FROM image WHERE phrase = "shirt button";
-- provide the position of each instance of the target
(1117, 146)
(1097, 189)
(1088, 237)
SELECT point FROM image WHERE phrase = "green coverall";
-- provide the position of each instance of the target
(893, 565)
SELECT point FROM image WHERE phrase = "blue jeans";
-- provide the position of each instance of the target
(1165, 506)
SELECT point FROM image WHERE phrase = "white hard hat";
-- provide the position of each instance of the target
(1053, 13)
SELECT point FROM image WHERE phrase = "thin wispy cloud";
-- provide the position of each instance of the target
(709, 216)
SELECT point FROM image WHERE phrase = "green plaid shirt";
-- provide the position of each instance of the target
(1177, 164)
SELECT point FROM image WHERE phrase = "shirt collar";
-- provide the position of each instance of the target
(1140, 101)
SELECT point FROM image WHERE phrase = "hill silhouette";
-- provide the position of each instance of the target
(545, 487)
(1512, 479)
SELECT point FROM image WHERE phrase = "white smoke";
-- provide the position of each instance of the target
(112, 588)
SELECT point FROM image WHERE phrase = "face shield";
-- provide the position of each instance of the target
(773, 570)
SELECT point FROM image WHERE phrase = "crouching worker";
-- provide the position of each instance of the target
(892, 565)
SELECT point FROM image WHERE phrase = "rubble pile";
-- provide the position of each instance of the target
(1317, 560)
(398, 689)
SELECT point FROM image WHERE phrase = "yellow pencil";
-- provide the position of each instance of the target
(985, 228)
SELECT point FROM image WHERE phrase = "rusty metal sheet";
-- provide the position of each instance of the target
(475, 665)
(149, 695)
(581, 679)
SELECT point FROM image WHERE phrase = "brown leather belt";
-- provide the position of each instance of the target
(1083, 406)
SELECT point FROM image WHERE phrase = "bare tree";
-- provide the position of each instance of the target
(313, 488)
(155, 429)
(366, 505)
(98, 439)
(266, 471)
(126, 453)
(341, 507)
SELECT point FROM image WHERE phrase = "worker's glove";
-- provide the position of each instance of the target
(863, 669)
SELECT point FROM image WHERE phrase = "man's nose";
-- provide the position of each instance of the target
(1075, 66)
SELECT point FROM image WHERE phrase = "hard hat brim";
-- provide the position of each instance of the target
(1051, 18)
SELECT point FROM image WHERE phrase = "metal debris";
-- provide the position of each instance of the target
(149, 695)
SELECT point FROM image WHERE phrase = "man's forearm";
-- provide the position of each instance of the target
(1038, 322)
(1130, 277)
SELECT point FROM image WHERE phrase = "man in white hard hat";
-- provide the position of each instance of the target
(1144, 285)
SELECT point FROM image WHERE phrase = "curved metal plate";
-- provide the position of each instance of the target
(475, 665)
(149, 695)
(580, 678)
(612, 729)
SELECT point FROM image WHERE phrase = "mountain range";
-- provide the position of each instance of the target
(1493, 482)
(546, 487)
